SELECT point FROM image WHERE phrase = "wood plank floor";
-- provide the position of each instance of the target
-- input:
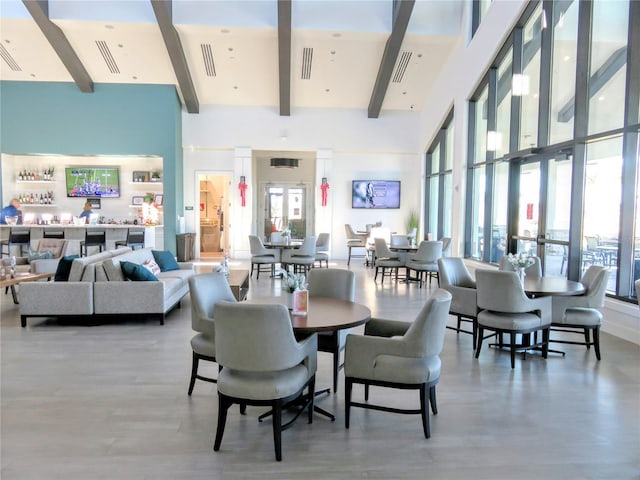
(110, 402)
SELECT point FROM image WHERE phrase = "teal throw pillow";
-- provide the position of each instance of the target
(64, 268)
(35, 255)
(137, 273)
(165, 260)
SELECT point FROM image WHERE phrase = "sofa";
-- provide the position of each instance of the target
(96, 287)
(36, 262)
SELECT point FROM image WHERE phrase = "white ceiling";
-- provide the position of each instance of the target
(347, 39)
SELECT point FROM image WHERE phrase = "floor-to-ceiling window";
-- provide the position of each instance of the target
(554, 143)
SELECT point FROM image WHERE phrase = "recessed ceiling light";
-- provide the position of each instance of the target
(120, 45)
(7, 41)
(235, 87)
(567, 58)
(336, 35)
(327, 90)
(230, 49)
(135, 77)
(33, 75)
(419, 55)
(224, 30)
(601, 97)
(109, 27)
(333, 52)
(404, 93)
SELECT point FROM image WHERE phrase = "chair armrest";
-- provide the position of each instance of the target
(559, 305)
(379, 327)
(45, 265)
(543, 305)
(185, 265)
(309, 350)
(361, 353)
(464, 300)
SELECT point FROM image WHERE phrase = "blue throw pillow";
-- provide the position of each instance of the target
(64, 268)
(137, 273)
(165, 260)
(35, 255)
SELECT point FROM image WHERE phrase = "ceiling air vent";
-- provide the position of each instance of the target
(207, 57)
(402, 67)
(307, 59)
(6, 56)
(284, 162)
(106, 55)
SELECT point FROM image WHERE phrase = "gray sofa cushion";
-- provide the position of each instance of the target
(112, 265)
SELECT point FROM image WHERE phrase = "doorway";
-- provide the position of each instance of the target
(286, 207)
(213, 225)
(542, 227)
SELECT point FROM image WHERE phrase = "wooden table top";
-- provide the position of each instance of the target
(552, 286)
(24, 277)
(324, 315)
(290, 244)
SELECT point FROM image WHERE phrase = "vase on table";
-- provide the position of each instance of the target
(288, 299)
(521, 274)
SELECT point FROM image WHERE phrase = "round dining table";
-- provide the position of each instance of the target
(544, 286)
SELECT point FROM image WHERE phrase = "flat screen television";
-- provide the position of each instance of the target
(86, 181)
(375, 194)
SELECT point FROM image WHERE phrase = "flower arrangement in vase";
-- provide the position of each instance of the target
(295, 284)
(520, 261)
(293, 281)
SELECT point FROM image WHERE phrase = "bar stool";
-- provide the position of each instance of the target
(18, 236)
(53, 233)
(93, 237)
(135, 238)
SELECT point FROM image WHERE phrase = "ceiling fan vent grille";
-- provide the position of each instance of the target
(6, 56)
(402, 67)
(207, 57)
(108, 58)
(307, 59)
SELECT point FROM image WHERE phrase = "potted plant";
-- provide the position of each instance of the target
(155, 176)
(413, 222)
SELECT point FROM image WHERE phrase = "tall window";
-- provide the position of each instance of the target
(528, 84)
(503, 105)
(439, 181)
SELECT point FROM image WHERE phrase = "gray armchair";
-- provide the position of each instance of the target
(354, 240)
(425, 261)
(322, 249)
(385, 258)
(579, 314)
(333, 283)
(456, 279)
(260, 255)
(301, 258)
(205, 289)
(403, 355)
(262, 363)
(506, 309)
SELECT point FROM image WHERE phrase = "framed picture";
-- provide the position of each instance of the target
(137, 200)
(140, 176)
(159, 199)
(95, 203)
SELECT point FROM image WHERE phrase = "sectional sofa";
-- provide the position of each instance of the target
(96, 287)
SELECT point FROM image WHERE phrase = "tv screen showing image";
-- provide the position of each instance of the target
(375, 194)
(103, 182)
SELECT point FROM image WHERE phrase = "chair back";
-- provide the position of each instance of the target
(95, 236)
(351, 234)
(501, 291)
(307, 249)
(256, 246)
(454, 273)
(276, 237)
(332, 282)
(56, 246)
(255, 337)
(20, 235)
(206, 289)
(534, 270)
(135, 235)
(429, 251)
(425, 336)
(52, 233)
(322, 242)
(382, 251)
(595, 284)
(446, 245)
(379, 232)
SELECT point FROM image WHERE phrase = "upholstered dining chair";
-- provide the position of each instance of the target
(385, 258)
(504, 308)
(425, 261)
(261, 255)
(376, 232)
(301, 258)
(334, 283)
(534, 270)
(262, 363)
(206, 289)
(93, 237)
(446, 246)
(456, 279)
(354, 240)
(395, 354)
(322, 249)
(580, 314)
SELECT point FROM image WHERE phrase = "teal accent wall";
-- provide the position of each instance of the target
(57, 118)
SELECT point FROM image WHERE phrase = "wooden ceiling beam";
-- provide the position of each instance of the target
(284, 56)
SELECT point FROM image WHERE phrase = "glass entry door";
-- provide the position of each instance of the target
(542, 228)
(285, 208)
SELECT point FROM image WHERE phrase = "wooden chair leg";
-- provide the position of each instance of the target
(277, 429)
(432, 399)
(223, 406)
(479, 336)
(423, 411)
(348, 384)
(596, 341)
(194, 371)
(512, 340)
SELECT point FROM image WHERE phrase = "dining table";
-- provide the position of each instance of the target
(324, 314)
(544, 286)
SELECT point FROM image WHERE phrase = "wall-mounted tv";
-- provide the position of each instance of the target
(86, 181)
(375, 194)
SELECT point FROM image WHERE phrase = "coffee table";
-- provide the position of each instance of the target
(22, 277)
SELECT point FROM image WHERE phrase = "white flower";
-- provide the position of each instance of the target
(293, 281)
(520, 260)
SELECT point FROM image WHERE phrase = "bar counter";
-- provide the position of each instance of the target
(153, 235)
